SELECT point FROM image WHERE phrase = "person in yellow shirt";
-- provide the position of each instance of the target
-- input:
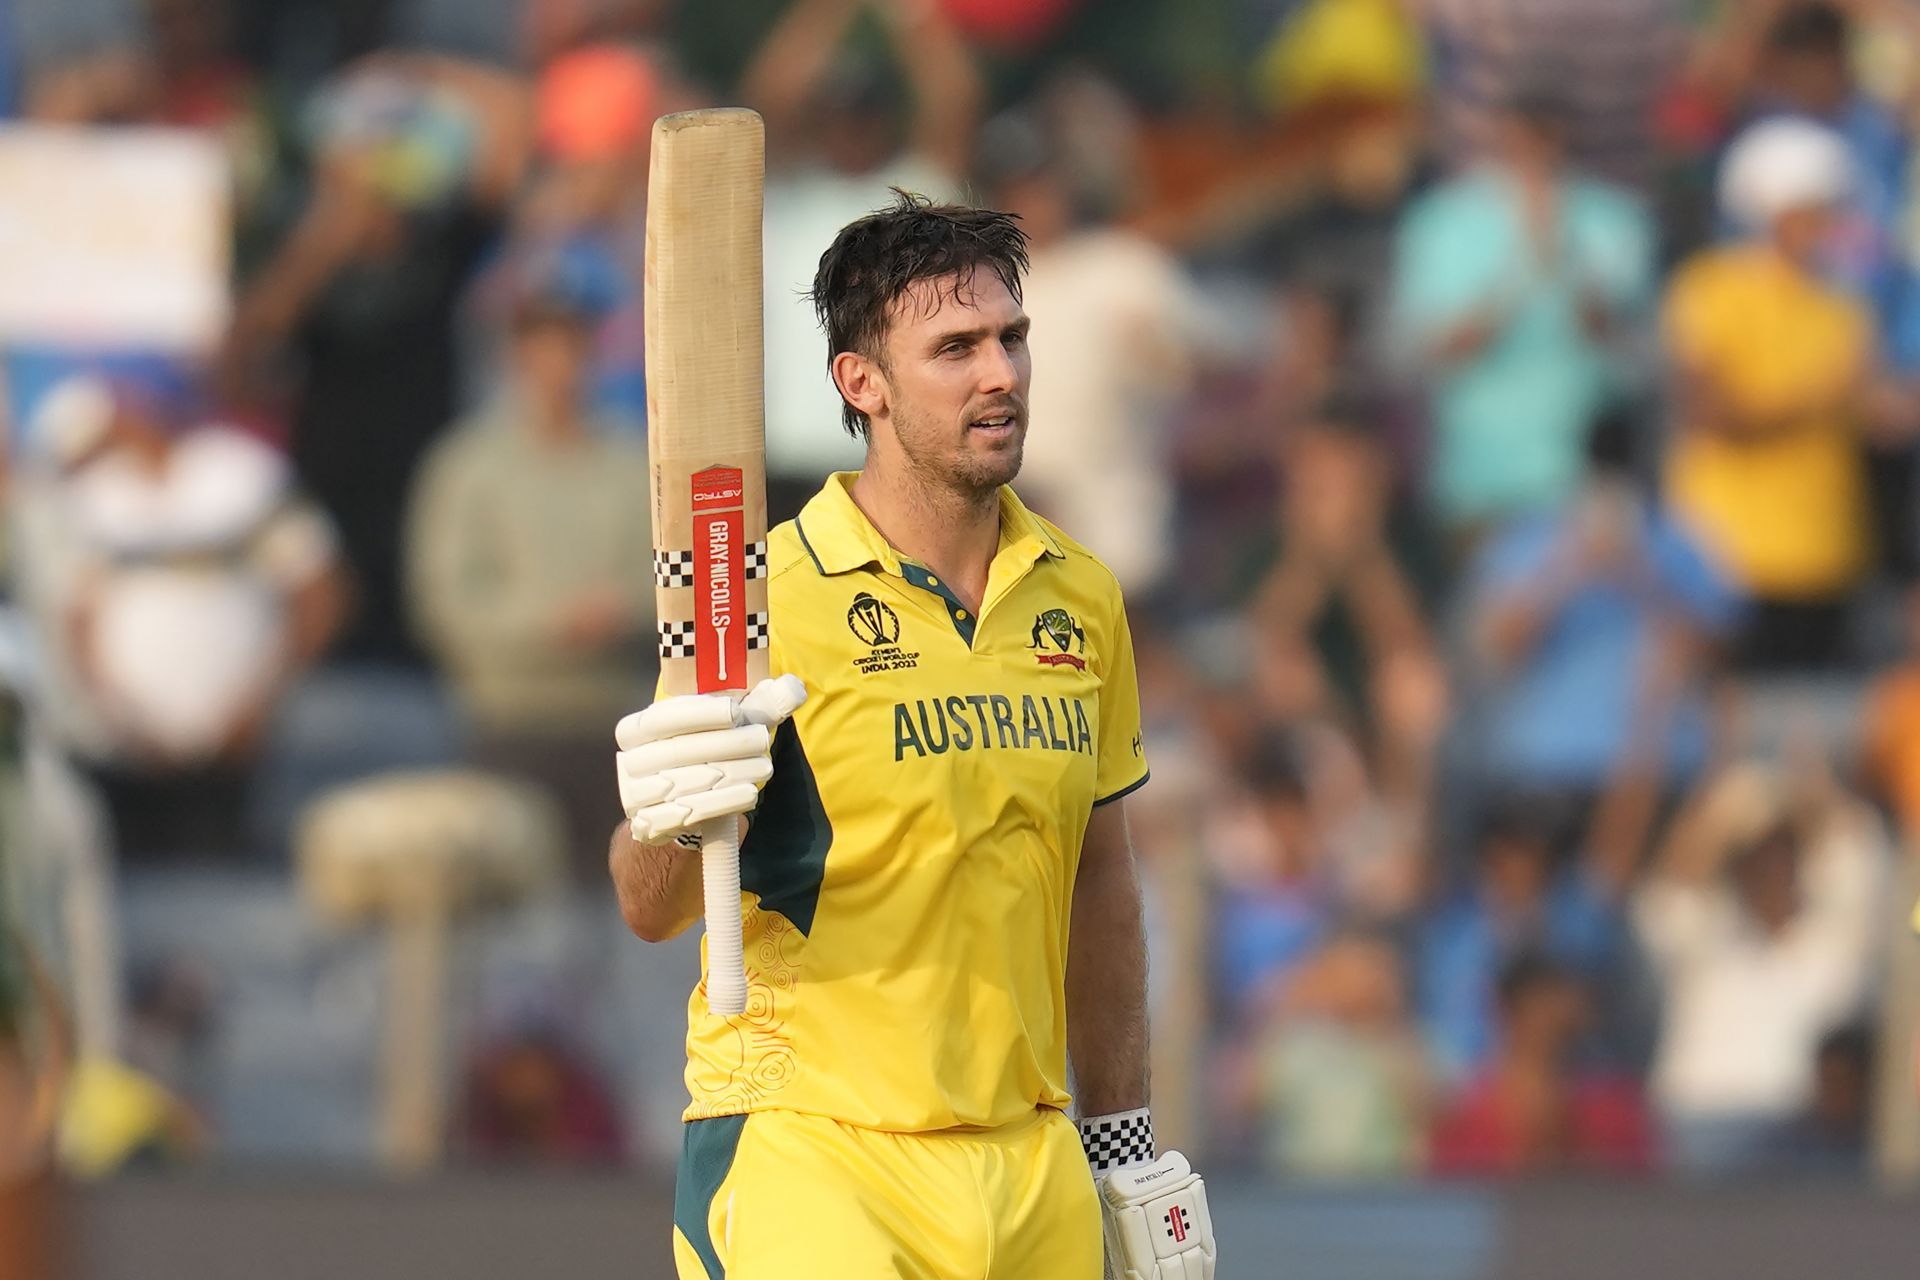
(1771, 363)
(941, 907)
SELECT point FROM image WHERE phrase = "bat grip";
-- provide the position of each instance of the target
(720, 884)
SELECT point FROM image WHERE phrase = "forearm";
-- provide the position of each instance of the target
(272, 304)
(796, 57)
(658, 885)
(946, 85)
(1107, 986)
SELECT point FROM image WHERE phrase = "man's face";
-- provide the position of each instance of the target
(955, 379)
(552, 357)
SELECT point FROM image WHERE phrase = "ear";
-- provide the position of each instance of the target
(862, 382)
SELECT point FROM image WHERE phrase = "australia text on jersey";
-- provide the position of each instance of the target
(987, 721)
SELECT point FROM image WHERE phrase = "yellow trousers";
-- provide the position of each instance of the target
(777, 1195)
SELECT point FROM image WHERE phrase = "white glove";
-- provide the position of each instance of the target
(687, 760)
(1156, 1221)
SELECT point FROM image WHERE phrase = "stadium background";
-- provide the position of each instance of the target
(1529, 846)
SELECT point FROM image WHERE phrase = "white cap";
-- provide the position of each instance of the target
(1781, 165)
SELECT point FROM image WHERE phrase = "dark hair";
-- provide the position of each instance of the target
(1814, 28)
(874, 261)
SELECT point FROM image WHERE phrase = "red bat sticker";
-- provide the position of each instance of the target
(719, 579)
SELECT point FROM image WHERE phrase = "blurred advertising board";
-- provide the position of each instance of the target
(113, 238)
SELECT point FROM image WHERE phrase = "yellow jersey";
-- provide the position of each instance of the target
(907, 876)
(1782, 511)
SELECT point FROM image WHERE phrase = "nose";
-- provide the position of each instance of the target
(997, 372)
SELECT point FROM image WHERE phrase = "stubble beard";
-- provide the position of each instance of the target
(974, 477)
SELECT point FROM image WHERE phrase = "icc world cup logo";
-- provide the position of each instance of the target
(873, 621)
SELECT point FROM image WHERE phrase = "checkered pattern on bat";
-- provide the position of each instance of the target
(672, 568)
(676, 639)
(675, 568)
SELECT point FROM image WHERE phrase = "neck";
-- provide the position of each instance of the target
(954, 532)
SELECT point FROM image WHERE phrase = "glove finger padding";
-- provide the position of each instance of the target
(692, 749)
(686, 760)
(656, 823)
(772, 701)
(638, 792)
(1156, 1221)
(673, 717)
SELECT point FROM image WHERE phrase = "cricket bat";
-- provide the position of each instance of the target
(706, 435)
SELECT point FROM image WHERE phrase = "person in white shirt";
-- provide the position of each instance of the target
(203, 584)
(835, 150)
(1127, 325)
(1761, 923)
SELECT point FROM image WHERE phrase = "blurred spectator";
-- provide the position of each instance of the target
(1771, 362)
(1596, 624)
(1309, 850)
(1831, 1135)
(1274, 910)
(1332, 51)
(205, 584)
(1340, 624)
(415, 156)
(1791, 58)
(1117, 323)
(1523, 899)
(1611, 61)
(1514, 286)
(584, 211)
(1761, 919)
(532, 1097)
(182, 72)
(526, 543)
(531, 1101)
(1339, 1073)
(1532, 1110)
(1333, 252)
(1806, 69)
(835, 138)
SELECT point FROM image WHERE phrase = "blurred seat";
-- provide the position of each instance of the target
(410, 852)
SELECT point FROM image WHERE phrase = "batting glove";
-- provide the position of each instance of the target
(1153, 1211)
(687, 760)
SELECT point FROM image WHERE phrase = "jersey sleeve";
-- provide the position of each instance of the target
(1122, 764)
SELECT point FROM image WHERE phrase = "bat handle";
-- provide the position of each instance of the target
(720, 883)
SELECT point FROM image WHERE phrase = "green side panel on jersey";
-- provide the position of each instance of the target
(784, 855)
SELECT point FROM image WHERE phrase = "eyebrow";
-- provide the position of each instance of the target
(1022, 325)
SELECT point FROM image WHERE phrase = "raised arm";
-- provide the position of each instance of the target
(945, 83)
(795, 57)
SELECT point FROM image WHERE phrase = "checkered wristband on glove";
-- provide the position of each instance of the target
(1118, 1140)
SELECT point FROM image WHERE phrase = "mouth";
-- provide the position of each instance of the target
(996, 424)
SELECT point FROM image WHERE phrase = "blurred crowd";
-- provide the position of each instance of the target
(1503, 416)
